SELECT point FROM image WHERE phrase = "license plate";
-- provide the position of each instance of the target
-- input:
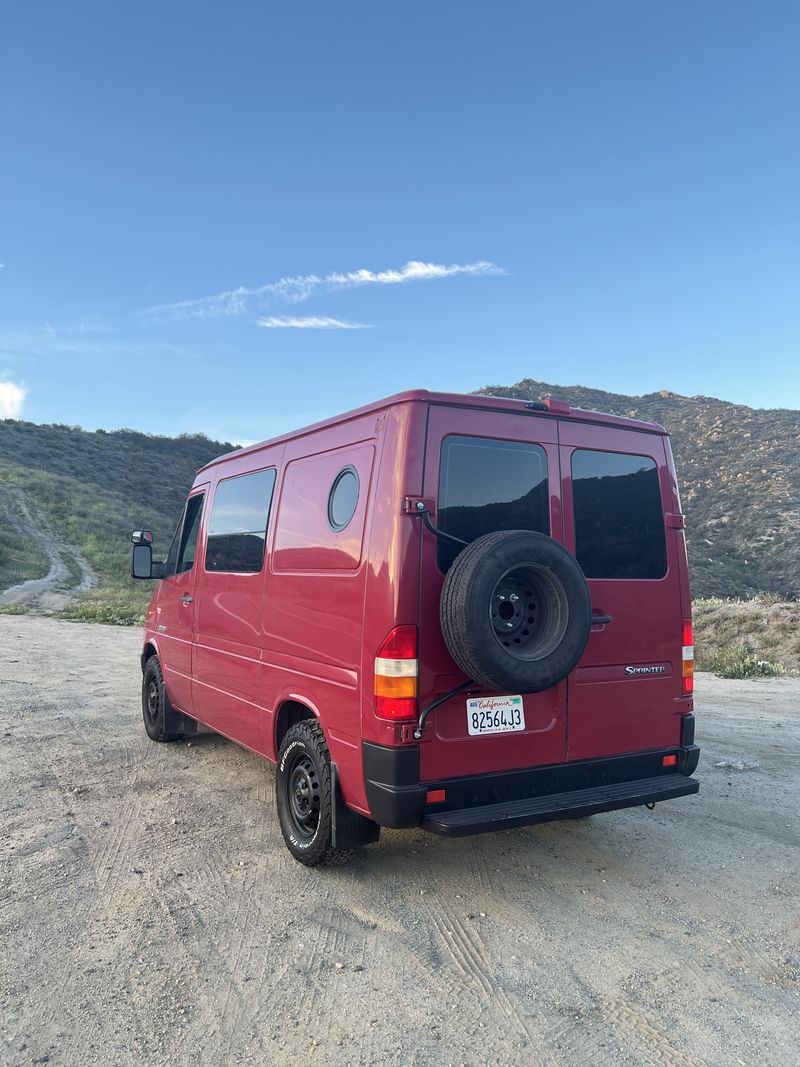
(495, 715)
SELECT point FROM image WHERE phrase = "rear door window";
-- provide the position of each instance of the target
(487, 485)
(619, 519)
(237, 528)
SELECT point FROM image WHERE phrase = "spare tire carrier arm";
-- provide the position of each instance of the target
(421, 509)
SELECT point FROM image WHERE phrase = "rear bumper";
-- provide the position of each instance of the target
(520, 798)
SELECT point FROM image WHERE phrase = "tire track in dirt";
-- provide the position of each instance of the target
(58, 587)
(465, 948)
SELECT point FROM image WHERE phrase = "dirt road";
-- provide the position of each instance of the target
(69, 572)
(149, 913)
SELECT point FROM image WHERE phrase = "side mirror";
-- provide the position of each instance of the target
(142, 560)
(142, 565)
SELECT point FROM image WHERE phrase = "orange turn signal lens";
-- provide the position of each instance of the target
(393, 686)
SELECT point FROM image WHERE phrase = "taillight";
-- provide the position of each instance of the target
(396, 672)
(687, 657)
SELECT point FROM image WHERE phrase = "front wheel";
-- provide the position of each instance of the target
(304, 796)
(155, 703)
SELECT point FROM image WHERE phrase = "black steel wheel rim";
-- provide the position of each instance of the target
(303, 795)
(152, 701)
(529, 612)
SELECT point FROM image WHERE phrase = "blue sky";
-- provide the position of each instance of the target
(603, 193)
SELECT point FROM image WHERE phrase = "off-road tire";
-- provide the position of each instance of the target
(155, 702)
(548, 623)
(304, 763)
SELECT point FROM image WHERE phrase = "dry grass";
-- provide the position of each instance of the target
(747, 638)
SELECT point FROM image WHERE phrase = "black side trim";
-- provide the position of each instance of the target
(391, 780)
(688, 759)
(687, 730)
(350, 829)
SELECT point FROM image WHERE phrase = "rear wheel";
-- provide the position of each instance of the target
(155, 702)
(304, 796)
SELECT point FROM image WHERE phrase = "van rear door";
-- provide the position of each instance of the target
(484, 471)
(625, 695)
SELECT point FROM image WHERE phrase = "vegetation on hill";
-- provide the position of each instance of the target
(747, 638)
(739, 475)
(19, 557)
(94, 488)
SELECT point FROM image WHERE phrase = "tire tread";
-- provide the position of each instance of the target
(310, 731)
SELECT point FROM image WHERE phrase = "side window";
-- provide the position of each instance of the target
(619, 520)
(343, 498)
(487, 485)
(184, 542)
(191, 528)
(237, 528)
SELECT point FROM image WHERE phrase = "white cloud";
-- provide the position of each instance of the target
(12, 397)
(296, 289)
(310, 322)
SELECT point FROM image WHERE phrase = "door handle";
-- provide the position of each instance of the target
(186, 599)
(601, 620)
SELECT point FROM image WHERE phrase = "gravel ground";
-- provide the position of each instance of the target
(150, 914)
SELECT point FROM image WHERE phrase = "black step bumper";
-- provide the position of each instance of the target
(398, 798)
(574, 805)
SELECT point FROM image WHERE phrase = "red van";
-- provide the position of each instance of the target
(463, 613)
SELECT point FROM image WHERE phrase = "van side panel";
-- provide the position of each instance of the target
(313, 600)
(227, 685)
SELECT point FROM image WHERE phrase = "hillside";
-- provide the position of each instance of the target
(739, 474)
(63, 486)
(74, 496)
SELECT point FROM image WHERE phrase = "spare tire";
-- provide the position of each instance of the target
(515, 611)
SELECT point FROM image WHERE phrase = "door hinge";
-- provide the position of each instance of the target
(413, 505)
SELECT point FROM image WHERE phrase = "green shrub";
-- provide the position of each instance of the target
(14, 609)
(111, 605)
(739, 661)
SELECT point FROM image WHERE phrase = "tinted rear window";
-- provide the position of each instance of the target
(487, 485)
(619, 521)
(237, 528)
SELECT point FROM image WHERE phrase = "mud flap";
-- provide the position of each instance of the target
(350, 830)
(175, 722)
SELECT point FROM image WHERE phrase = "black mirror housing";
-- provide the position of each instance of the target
(142, 560)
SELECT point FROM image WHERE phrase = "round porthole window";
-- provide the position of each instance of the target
(343, 498)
